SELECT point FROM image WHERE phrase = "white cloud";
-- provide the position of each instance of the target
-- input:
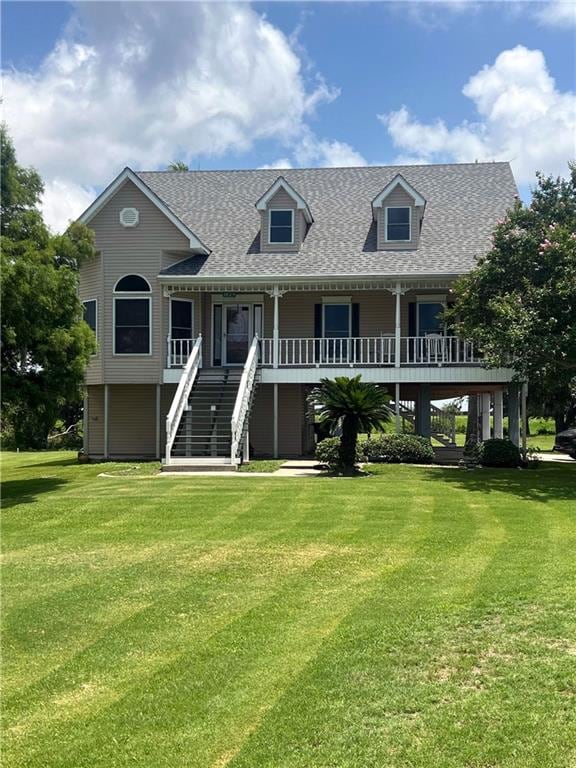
(142, 83)
(522, 117)
(279, 164)
(311, 151)
(555, 13)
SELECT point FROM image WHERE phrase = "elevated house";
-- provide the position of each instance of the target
(219, 298)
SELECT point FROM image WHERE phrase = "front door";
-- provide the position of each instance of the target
(237, 337)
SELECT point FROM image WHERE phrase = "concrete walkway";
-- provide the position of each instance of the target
(298, 468)
(556, 456)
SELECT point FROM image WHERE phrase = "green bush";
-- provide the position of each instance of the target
(394, 449)
(327, 452)
(499, 453)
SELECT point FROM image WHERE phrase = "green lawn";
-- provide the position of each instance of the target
(419, 618)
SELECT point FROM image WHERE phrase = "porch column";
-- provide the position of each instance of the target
(514, 413)
(485, 415)
(106, 417)
(158, 423)
(275, 421)
(397, 327)
(423, 410)
(397, 408)
(276, 329)
(246, 451)
(499, 414)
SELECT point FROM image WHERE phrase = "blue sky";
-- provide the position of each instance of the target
(281, 84)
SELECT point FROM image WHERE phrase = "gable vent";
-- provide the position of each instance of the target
(129, 217)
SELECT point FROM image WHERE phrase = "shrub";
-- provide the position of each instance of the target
(393, 449)
(499, 453)
(328, 452)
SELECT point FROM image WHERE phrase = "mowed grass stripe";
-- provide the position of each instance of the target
(440, 681)
(404, 619)
(309, 622)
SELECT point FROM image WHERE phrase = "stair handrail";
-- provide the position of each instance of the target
(185, 384)
(243, 397)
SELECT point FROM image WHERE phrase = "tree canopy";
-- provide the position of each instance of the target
(519, 304)
(45, 342)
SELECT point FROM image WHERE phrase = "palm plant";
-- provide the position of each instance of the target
(353, 406)
(178, 165)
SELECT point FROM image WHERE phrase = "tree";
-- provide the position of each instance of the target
(352, 406)
(519, 304)
(178, 165)
(45, 342)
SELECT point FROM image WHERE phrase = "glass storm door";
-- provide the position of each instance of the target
(236, 333)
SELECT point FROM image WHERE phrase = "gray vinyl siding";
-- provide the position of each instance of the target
(291, 420)
(398, 197)
(132, 428)
(282, 200)
(137, 250)
(90, 287)
(95, 421)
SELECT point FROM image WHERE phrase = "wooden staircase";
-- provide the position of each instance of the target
(442, 424)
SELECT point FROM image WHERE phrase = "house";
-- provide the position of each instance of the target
(219, 298)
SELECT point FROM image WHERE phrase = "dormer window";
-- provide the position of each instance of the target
(398, 224)
(281, 226)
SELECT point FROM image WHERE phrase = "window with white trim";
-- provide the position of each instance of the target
(336, 320)
(90, 314)
(398, 224)
(132, 316)
(281, 226)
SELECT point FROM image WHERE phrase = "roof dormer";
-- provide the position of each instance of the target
(285, 217)
(398, 211)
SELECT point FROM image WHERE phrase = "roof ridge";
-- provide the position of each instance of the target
(331, 168)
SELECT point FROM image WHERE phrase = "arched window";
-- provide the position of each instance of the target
(132, 325)
(132, 284)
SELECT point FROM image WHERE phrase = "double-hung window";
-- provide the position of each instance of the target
(132, 316)
(90, 315)
(281, 226)
(181, 319)
(398, 224)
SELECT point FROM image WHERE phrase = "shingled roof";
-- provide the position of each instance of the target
(463, 203)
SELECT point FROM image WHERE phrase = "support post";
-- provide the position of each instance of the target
(397, 408)
(106, 419)
(246, 451)
(513, 414)
(485, 415)
(524, 415)
(275, 420)
(86, 421)
(423, 426)
(397, 326)
(158, 423)
(499, 414)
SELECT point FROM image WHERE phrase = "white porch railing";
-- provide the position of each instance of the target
(189, 373)
(368, 351)
(437, 350)
(242, 404)
(178, 352)
(378, 350)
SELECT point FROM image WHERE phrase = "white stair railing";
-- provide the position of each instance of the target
(243, 397)
(182, 394)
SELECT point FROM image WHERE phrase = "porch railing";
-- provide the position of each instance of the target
(243, 398)
(296, 352)
(359, 351)
(189, 373)
(368, 351)
(178, 352)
